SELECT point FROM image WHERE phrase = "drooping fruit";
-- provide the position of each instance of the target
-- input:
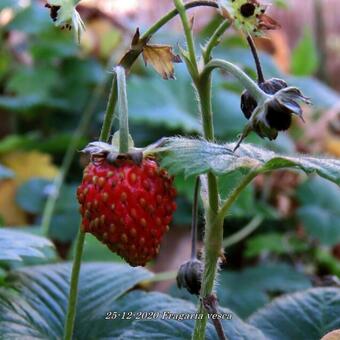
(127, 206)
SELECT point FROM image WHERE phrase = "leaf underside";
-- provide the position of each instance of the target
(197, 156)
(16, 245)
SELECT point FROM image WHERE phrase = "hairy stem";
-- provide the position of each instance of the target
(213, 231)
(214, 40)
(169, 16)
(188, 35)
(259, 95)
(194, 220)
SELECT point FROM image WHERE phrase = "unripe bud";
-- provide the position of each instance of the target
(189, 276)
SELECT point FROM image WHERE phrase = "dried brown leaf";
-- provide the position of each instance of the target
(162, 58)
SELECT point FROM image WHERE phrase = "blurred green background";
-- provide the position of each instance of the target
(53, 95)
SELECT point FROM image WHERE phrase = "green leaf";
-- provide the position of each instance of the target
(65, 226)
(197, 156)
(5, 173)
(165, 328)
(14, 142)
(32, 19)
(163, 103)
(305, 59)
(320, 210)
(37, 307)
(271, 242)
(245, 205)
(16, 245)
(31, 195)
(246, 291)
(274, 243)
(8, 4)
(306, 315)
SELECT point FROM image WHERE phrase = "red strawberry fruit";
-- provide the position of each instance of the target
(127, 206)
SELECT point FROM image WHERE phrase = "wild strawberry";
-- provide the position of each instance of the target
(127, 206)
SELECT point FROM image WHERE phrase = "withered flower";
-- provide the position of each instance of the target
(275, 114)
(64, 15)
(248, 15)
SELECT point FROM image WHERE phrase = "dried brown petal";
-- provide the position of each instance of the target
(162, 59)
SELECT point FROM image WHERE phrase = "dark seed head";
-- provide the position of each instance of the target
(189, 276)
(271, 86)
(247, 10)
(278, 117)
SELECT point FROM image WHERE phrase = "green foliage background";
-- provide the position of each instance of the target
(48, 84)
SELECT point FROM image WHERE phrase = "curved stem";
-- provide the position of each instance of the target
(188, 35)
(244, 232)
(251, 43)
(214, 40)
(123, 110)
(259, 95)
(169, 16)
(234, 195)
(194, 220)
(72, 302)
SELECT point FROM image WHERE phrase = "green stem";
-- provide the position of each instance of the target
(244, 232)
(109, 113)
(169, 16)
(67, 160)
(72, 302)
(194, 219)
(214, 40)
(234, 195)
(188, 34)
(213, 231)
(213, 245)
(259, 95)
(123, 110)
